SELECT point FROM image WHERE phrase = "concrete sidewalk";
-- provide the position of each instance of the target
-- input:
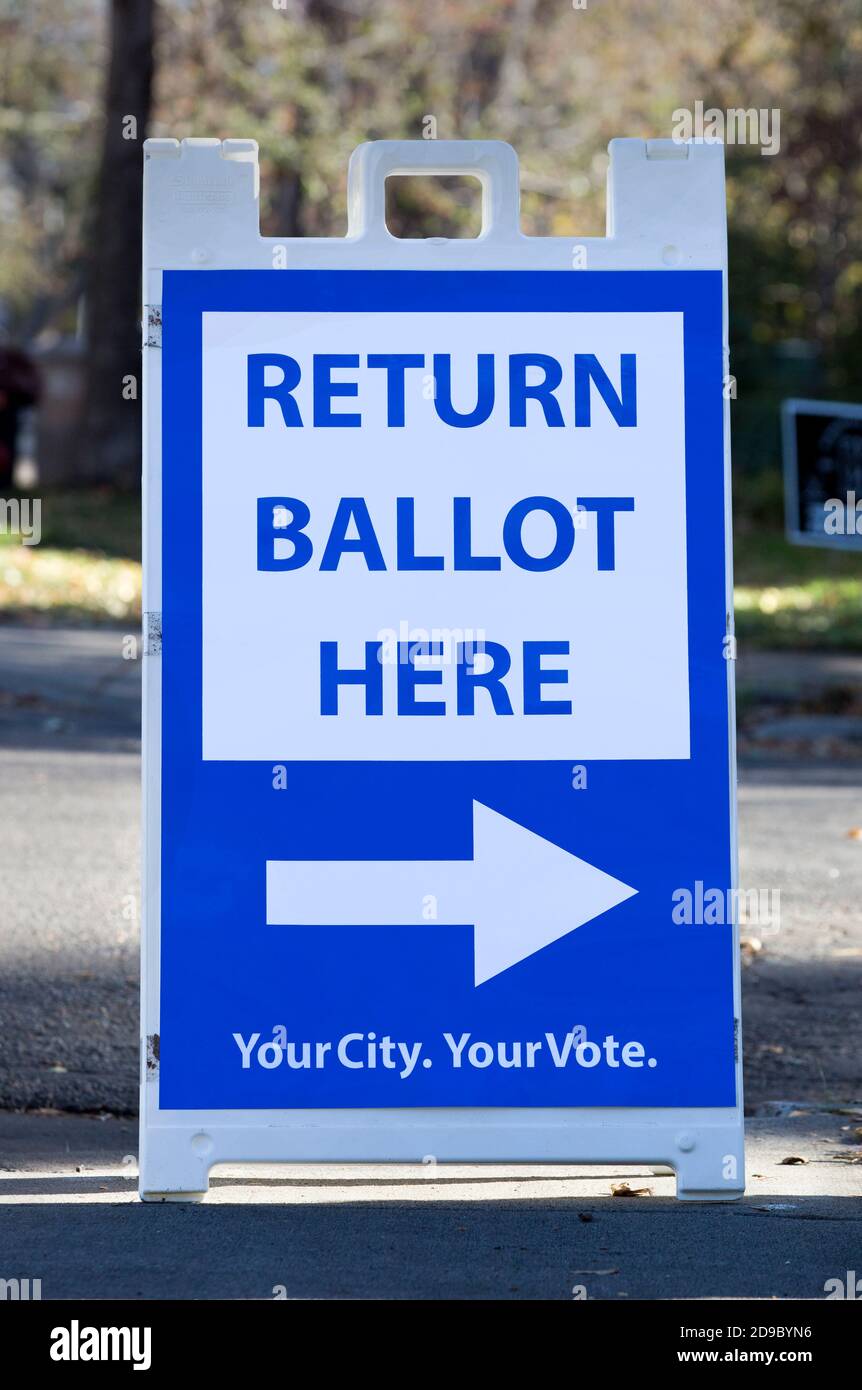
(71, 1218)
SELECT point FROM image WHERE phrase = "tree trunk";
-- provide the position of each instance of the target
(111, 450)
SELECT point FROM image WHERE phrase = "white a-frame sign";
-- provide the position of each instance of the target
(439, 763)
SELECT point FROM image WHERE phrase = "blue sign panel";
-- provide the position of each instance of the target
(446, 790)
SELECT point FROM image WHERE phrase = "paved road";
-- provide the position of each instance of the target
(69, 880)
(69, 764)
(70, 1218)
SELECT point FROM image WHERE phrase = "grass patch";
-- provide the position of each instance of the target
(39, 584)
(796, 596)
(97, 521)
(86, 569)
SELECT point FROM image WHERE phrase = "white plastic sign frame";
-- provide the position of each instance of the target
(666, 214)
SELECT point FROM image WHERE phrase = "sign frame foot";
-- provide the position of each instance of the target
(174, 1164)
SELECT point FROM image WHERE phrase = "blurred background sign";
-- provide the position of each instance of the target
(823, 473)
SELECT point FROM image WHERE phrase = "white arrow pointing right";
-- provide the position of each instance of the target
(520, 892)
(530, 892)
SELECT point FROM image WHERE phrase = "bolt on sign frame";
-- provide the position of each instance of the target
(503, 930)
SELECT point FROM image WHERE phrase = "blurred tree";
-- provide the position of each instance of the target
(49, 106)
(112, 421)
(310, 79)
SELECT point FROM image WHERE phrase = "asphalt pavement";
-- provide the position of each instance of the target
(69, 870)
(69, 895)
(69, 876)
